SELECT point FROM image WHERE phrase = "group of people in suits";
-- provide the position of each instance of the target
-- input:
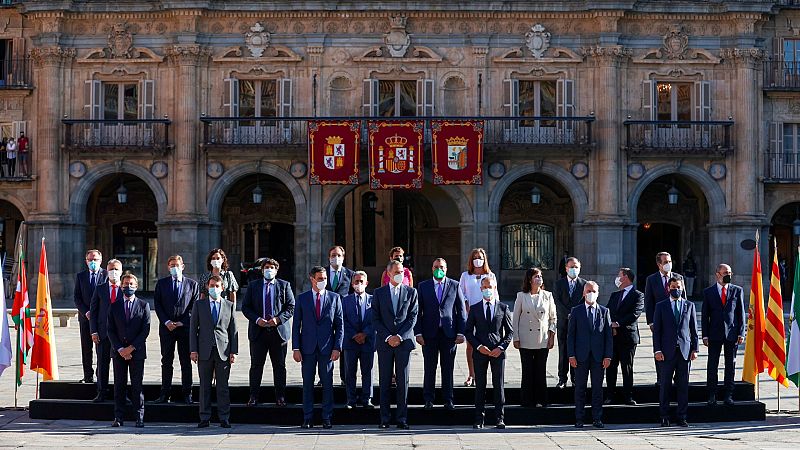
(337, 320)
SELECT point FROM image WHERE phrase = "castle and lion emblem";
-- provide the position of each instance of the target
(334, 152)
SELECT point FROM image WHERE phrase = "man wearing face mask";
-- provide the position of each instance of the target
(317, 335)
(625, 307)
(590, 347)
(675, 344)
(339, 278)
(104, 296)
(128, 327)
(85, 284)
(440, 326)
(568, 293)
(359, 341)
(723, 326)
(268, 306)
(174, 299)
(394, 314)
(656, 289)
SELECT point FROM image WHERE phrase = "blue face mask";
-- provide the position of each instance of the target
(175, 271)
(675, 293)
(93, 265)
(129, 291)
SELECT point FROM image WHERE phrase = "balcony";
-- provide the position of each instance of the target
(145, 136)
(16, 73)
(708, 138)
(782, 167)
(782, 75)
(500, 133)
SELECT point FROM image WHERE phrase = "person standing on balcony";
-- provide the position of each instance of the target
(11, 154)
(23, 145)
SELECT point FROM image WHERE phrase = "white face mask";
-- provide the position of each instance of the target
(337, 261)
(175, 271)
(537, 281)
(321, 285)
(398, 279)
(591, 297)
(617, 282)
(270, 274)
(573, 272)
(113, 276)
(477, 262)
(214, 292)
(216, 263)
(359, 288)
(667, 267)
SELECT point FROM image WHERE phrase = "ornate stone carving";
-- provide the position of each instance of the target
(616, 52)
(397, 40)
(257, 40)
(186, 53)
(51, 55)
(120, 41)
(537, 40)
(676, 43)
(753, 55)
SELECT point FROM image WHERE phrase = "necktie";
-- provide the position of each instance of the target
(488, 311)
(590, 315)
(666, 284)
(214, 312)
(93, 279)
(175, 287)
(571, 288)
(128, 309)
(268, 302)
(676, 311)
(395, 299)
(113, 293)
(335, 283)
(439, 292)
(724, 295)
(360, 317)
(319, 306)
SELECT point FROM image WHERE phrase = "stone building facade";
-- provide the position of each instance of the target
(615, 129)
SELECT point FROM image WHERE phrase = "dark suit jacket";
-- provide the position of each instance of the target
(282, 307)
(565, 302)
(387, 322)
(204, 334)
(626, 312)
(585, 340)
(175, 308)
(667, 335)
(84, 291)
(123, 333)
(451, 313)
(351, 326)
(310, 334)
(498, 333)
(345, 278)
(654, 292)
(101, 301)
(723, 322)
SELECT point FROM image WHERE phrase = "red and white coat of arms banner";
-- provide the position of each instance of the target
(333, 148)
(457, 147)
(395, 154)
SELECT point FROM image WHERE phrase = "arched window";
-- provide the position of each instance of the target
(526, 245)
(340, 97)
(454, 93)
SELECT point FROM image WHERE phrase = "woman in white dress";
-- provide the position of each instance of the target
(470, 285)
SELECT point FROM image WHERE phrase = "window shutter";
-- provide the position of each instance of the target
(702, 100)
(230, 98)
(19, 126)
(370, 103)
(511, 101)
(92, 102)
(285, 97)
(425, 94)
(147, 99)
(565, 102)
(776, 156)
(649, 99)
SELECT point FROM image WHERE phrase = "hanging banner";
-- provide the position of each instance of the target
(333, 148)
(395, 154)
(457, 148)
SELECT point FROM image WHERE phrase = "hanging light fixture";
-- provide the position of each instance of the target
(122, 194)
(796, 223)
(536, 195)
(672, 195)
(258, 193)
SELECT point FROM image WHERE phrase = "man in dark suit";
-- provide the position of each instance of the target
(339, 280)
(675, 344)
(590, 347)
(656, 288)
(214, 343)
(104, 295)
(268, 305)
(359, 341)
(440, 327)
(489, 330)
(625, 307)
(128, 327)
(394, 314)
(85, 284)
(174, 299)
(567, 294)
(317, 333)
(723, 326)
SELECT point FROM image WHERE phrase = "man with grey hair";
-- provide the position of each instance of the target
(359, 341)
(104, 295)
(567, 294)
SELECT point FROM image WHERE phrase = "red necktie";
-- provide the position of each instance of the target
(113, 294)
(319, 306)
(666, 284)
(724, 295)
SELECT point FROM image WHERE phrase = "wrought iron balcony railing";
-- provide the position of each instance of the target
(782, 167)
(97, 135)
(16, 73)
(678, 137)
(499, 132)
(781, 75)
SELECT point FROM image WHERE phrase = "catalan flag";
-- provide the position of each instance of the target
(754, 359)
(43, 356)
(775, 335)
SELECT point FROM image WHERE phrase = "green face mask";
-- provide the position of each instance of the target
(438, 274)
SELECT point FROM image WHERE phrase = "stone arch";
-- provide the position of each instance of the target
(230, 177)
(713, 193)
(580, 201)
(16, 202)
(80, 196)
(775, 206)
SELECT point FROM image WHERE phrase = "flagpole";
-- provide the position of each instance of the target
(778, 385)
(16, 383)
(37, 389)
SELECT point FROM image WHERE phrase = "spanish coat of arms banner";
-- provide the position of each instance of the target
(395, 154)
(457, 149)
(333, 148)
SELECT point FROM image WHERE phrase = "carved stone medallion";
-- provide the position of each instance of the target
(397, 39)
(537, 40)
(120, 41)
(676, 43)
(257, 40)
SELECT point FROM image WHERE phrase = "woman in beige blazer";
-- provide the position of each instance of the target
(534, 335)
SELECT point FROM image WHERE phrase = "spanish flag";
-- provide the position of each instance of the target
(43, 355)
(775, 336)
(754, 359)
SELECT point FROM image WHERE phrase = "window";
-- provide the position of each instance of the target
(526, 245)
(454, 96)
(666, 101)
(784, 151)
(674, 101)
(257, 99)
(791, 55)
(398, 98)
(125, 100)
(120, 101)
(539, 98)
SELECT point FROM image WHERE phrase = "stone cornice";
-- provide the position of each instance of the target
(187, 54)
(52, 55)
(615, 53)
(743, 55)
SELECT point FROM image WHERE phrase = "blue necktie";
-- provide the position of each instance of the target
(358, 312)
(214, 312)
(439, 292)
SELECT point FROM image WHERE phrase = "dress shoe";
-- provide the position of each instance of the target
(402, 426)
(163, 398)
(368, 405)
(319, 383)
(664, 422)
(630, 402)
(307, 424)
(140, 424)
(253, 401)
(712, 401)
(203, 424)
(607, 401)
(186, 399)
(449, 406)
(545, 405)
(729, 401)
(682, 423)
(326, 424)
(477, 425)
(500, 425)
(88, 380)
(350, 406)
(99, 398)
(224, 424)
(280, 403)
(117, 423)
(598, 424)
(579, 424)
(128, 402)
(428, 405)
(383, 425)
(561, 384)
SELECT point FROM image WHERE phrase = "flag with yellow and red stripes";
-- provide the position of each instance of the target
(775, 335)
